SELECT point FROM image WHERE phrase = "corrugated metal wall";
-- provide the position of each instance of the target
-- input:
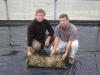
(76, 9)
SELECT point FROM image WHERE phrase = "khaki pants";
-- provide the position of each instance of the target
(36, 45)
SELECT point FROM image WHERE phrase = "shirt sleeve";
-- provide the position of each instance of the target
(73, 35)
(30, 34)
(56, 31)
(50, 29)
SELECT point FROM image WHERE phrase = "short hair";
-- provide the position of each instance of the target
(64, 15)
(40, 11)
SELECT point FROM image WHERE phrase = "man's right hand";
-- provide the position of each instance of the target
(29, 51)
(53, 51)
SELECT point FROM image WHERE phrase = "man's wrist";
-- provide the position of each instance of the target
(29, 47)
(66, 51)
(49, 38)
(52, 49)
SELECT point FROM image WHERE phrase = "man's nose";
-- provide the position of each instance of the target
(62, 22)
(41, 17)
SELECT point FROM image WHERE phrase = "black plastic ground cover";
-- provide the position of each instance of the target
(13, 53)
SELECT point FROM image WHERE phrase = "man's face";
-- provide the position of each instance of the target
(64, 22)
(40, 17)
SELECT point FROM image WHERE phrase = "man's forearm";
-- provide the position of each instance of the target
(55, 43)
(68, 47)
(29, 39)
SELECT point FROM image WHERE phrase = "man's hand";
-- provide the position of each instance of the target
(64, 56)
(47, 41)
(29, 51)
(67, 49)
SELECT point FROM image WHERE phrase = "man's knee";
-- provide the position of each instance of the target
(36, 45)
(75, 44)
(74, 49)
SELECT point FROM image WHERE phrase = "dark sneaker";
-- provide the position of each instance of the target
(71, 61)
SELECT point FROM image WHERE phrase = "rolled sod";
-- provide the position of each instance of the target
(46, 61)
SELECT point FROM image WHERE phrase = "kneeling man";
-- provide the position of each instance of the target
(37, 36)
(65, 39)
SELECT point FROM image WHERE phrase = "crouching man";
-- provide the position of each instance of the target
(36, 34)
(65, 39)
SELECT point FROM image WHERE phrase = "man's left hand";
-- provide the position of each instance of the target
(64, 56)
(47, 43)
